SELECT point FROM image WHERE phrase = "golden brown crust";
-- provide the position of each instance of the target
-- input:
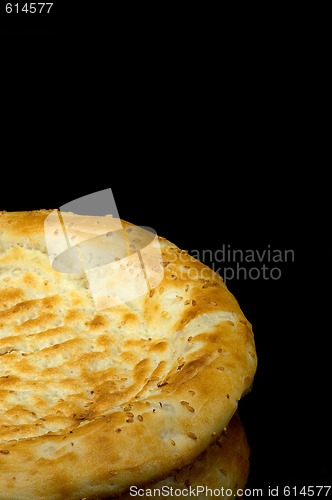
(224, 465)
(97, 399)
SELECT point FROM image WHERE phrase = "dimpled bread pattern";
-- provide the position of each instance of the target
(93, 401)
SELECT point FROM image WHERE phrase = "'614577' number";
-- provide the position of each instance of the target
(29, 8)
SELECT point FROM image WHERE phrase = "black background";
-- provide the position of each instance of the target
(211, 144)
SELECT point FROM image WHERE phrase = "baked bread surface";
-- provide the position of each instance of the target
(95, 400)
(220, 471)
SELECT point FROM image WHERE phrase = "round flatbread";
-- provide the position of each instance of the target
(102, 390)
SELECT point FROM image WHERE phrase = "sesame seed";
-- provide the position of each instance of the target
(140, 418)
(4, 452)
(184, 403)
(193, 302)
(191, 435)
(172, 442)
(129, 420)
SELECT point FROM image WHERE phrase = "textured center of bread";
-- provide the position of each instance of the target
(63, 364)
